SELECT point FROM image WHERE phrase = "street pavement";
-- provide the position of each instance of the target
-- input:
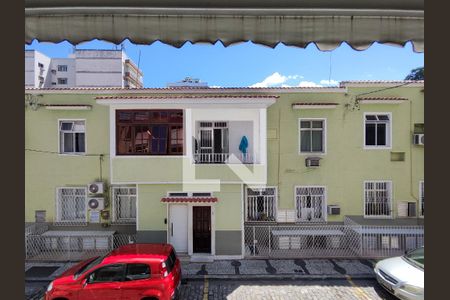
(325, 289)
(258, 279)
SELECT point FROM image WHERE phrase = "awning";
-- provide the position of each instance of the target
(189, 199)
(314, 105)
(382, 100)
(327, 23)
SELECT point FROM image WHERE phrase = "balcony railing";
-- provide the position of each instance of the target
(377, 209)
(222, 158)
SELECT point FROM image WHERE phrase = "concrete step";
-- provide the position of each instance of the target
(202, 258)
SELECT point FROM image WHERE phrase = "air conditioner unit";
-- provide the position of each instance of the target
(95, 188)
(312, 161)
(334, 210)
(96, 203)
(419, 139)
(406, 209)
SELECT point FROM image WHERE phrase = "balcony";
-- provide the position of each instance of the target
(225, 142)
(222, 158)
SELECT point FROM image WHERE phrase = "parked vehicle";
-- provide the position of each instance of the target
(403, 276)
(132, 272)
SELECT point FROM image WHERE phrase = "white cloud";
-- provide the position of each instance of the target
(215, 86)
(275, 79)
(329, 82)
(308, 84)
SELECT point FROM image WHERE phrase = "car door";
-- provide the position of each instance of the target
(103, 283)
(137, 281)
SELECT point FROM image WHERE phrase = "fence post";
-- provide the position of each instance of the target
(270, 244)
(254, 243)
(26, 247)
(361, 241)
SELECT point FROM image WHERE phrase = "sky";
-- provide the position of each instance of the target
(249, 64)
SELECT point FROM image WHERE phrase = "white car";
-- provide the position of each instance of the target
(403, 276)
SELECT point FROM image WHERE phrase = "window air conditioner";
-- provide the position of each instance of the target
(406, 209)
(312, 162)
(419, 139)
(95, 188)
(334, 210)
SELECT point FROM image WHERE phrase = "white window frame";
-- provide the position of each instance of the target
(324, 203)
(388, 131)
(59, 136)
(274, 205)
(58, 213)
(115, 218)
(324, 136)
(390, 202)
(421, 198)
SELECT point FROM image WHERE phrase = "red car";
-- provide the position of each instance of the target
(132, 272)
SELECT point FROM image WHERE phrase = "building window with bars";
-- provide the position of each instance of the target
(71, 205)
(312, 136)
(422, 198)
(62, 80)
(72, 137)
(149, 132)
(62, 68)
(124, 204)
(377, 198)
(261, 204)
(310, 203)
(212, 143)
(377, 132)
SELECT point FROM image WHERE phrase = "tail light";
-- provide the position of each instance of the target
(164, 271)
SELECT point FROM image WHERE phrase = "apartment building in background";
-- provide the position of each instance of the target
(83, 68)
(230, 172)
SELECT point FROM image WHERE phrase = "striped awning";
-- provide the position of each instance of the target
(326, 23)
(189, 199)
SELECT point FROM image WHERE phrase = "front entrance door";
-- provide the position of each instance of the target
(178, 227)
(201, 224)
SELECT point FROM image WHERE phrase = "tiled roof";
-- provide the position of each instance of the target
(315, 103)
(64, 105)
(383, 98)
(184, 97)
(189, 199)
(368, 82)
(177, 88)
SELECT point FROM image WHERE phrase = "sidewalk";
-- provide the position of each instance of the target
(249, 269)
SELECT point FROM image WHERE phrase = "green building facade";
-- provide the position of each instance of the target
(195, 166)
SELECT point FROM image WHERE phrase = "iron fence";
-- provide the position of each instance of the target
(350, 240)
(72, 247)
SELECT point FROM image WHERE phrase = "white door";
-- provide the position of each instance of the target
(178, 227)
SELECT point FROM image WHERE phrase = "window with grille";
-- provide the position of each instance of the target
(62, 68)
(422, 198)
(261, 204)
(310, 203)
(72, 135)
(124, 204)
(377, 130)
(377, 198)
(62, 80)
(312, 136)
(71, 205)
(149, 132)
(212, 143)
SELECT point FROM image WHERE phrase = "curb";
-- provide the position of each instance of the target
(276, 277)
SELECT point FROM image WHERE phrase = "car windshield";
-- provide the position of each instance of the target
(416, 257)
(89, 266)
